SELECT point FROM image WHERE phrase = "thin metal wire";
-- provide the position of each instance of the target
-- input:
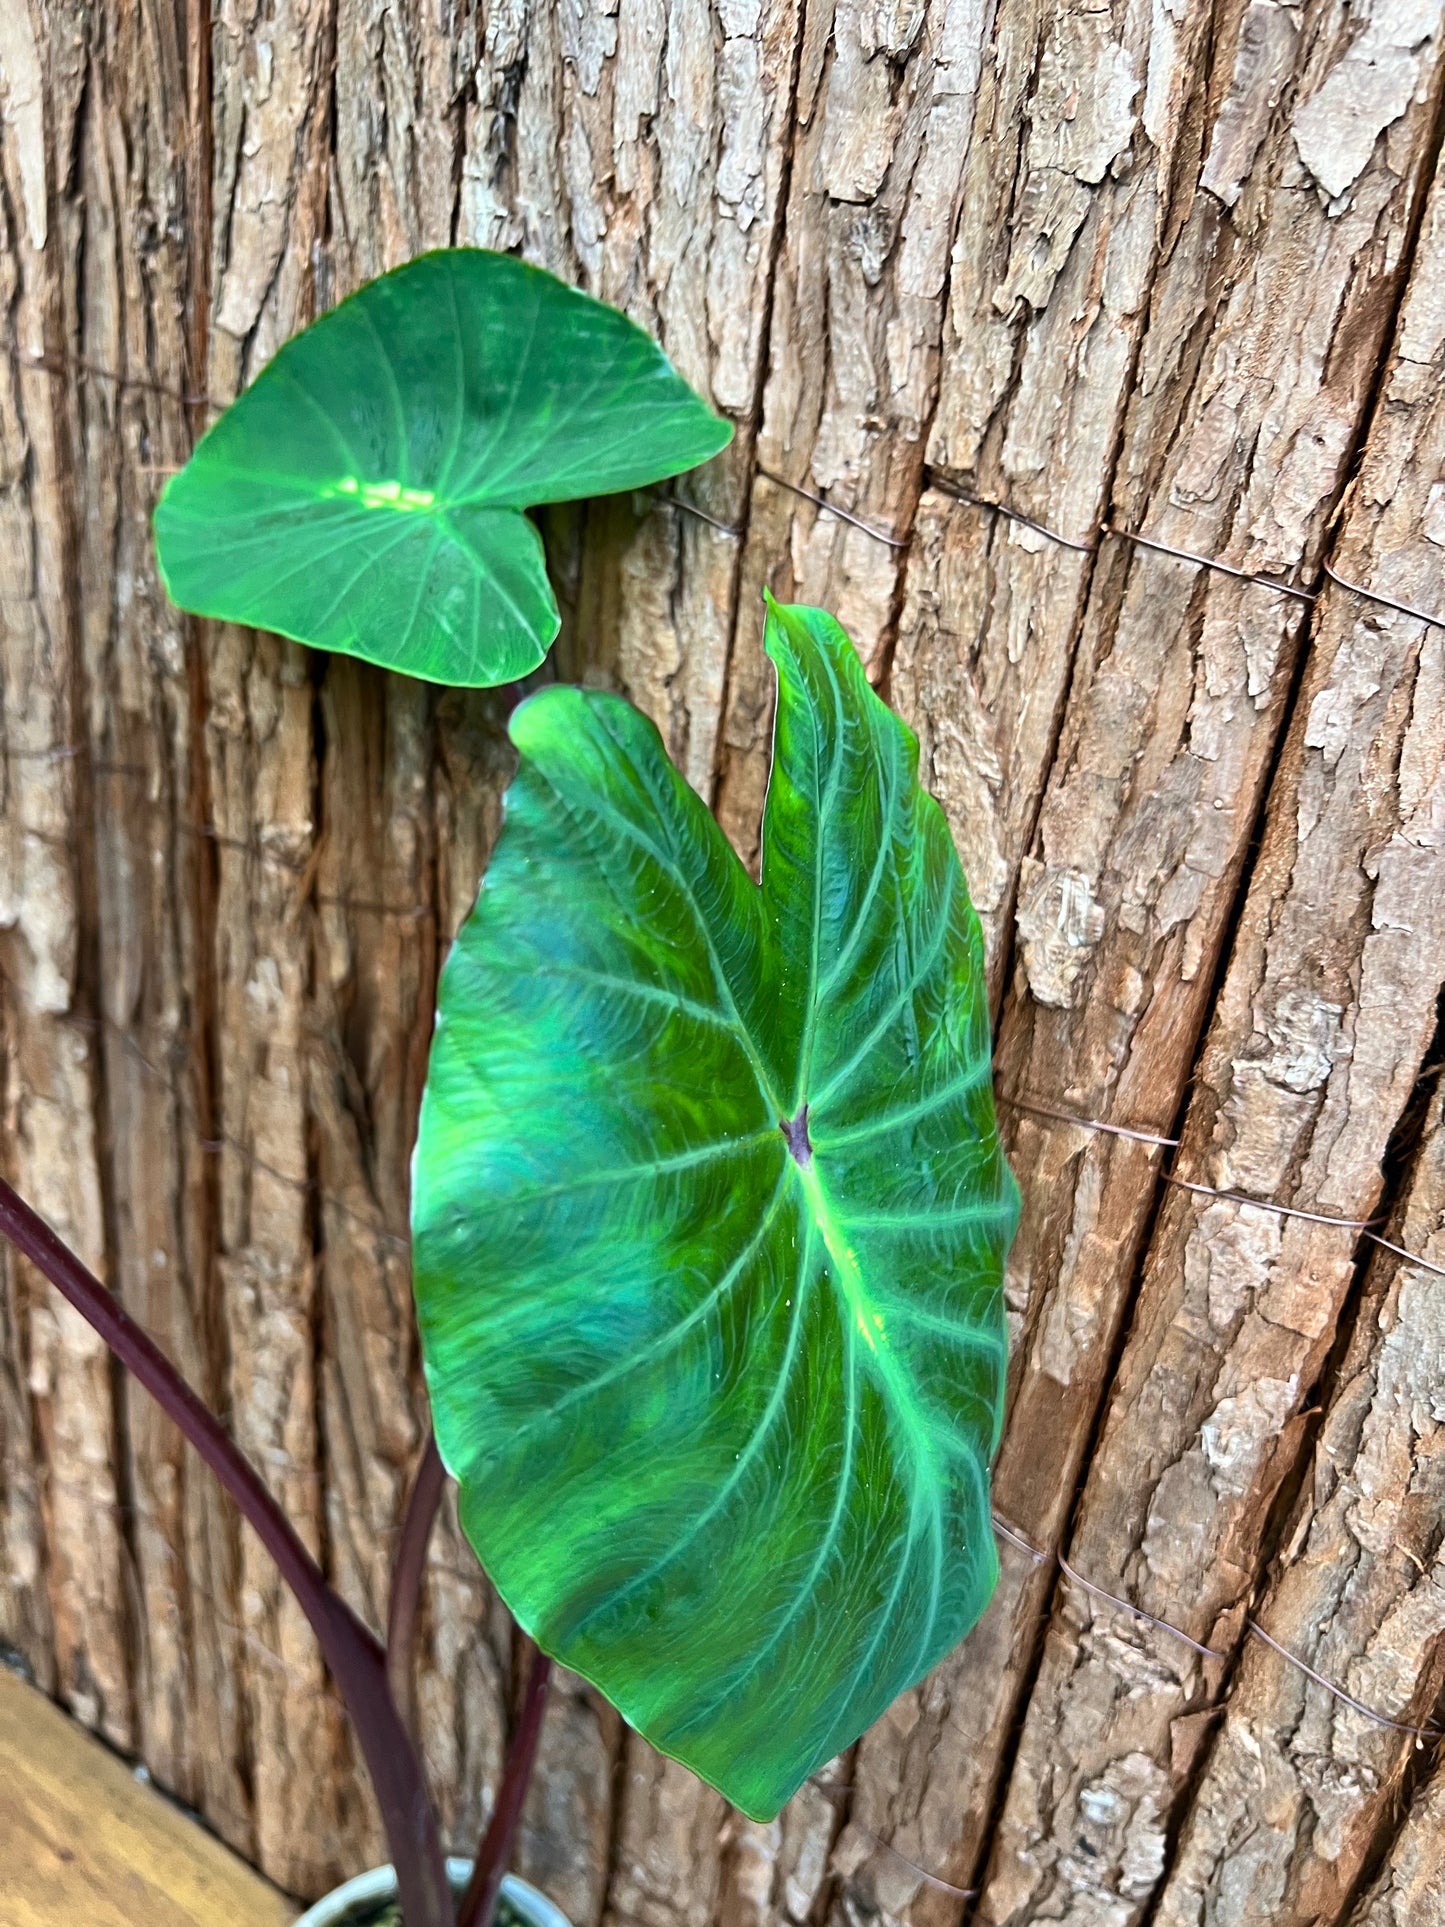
(293, 866)
(1006, 1531)
(50, 365)
(1412, 1257)
(1426, 1732)
(675, 501)
(1268, 1204)
(1036, 1109)
(839, 1793)
(844, 515)
(1112, 1598)
(961, 494)
(1138, 1612)
(308, 1187)
(47, 364)
(1208, 562)
(1385, 601)
(216, 1146)
(1362, 1225)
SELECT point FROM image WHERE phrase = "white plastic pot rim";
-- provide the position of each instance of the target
(380, 1884)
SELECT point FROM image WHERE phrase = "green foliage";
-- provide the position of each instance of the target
(366, 492)
(709, 1220)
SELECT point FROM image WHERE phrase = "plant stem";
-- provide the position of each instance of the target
(406, 1577)
(353, 1654)
(479, 1903)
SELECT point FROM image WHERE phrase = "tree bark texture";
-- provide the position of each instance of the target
(1170, 270)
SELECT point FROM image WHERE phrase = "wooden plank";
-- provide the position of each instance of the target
(81, 1839)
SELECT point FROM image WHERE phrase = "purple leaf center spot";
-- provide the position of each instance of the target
(795, 1130)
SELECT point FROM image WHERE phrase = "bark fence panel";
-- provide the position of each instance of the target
(877, 239)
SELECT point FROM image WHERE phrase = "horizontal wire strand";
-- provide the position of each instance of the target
(822, 502)
(959, 493)
(1428, 1731)
(1384, 601)
(1036, 1109)
(51, 365)
(838, 1793)
(1157, 547)
(1268, 1204)
(673, 500)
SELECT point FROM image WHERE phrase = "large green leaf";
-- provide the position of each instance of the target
(709, 1221)
(366, 492)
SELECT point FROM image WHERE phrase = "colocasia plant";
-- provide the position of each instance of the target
(709, 1212)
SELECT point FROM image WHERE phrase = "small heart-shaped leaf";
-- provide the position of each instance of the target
(710, 1218)
(366, 492)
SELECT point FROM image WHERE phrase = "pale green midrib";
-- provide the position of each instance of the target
(306, 490)
(855, 1295)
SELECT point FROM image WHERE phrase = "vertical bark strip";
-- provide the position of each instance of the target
(53, 1150)
(1299, 1784)
(1066, 194)
(638, 150)
(150, 935)
(668, 1861)
(1409, 1890)
(885, 111)
(262, 785)
(1326, 1012)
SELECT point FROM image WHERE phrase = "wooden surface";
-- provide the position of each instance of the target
(1177, 267)
(83, 1841)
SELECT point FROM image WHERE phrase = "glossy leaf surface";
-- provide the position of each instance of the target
(366, 492)
(720, 1380)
